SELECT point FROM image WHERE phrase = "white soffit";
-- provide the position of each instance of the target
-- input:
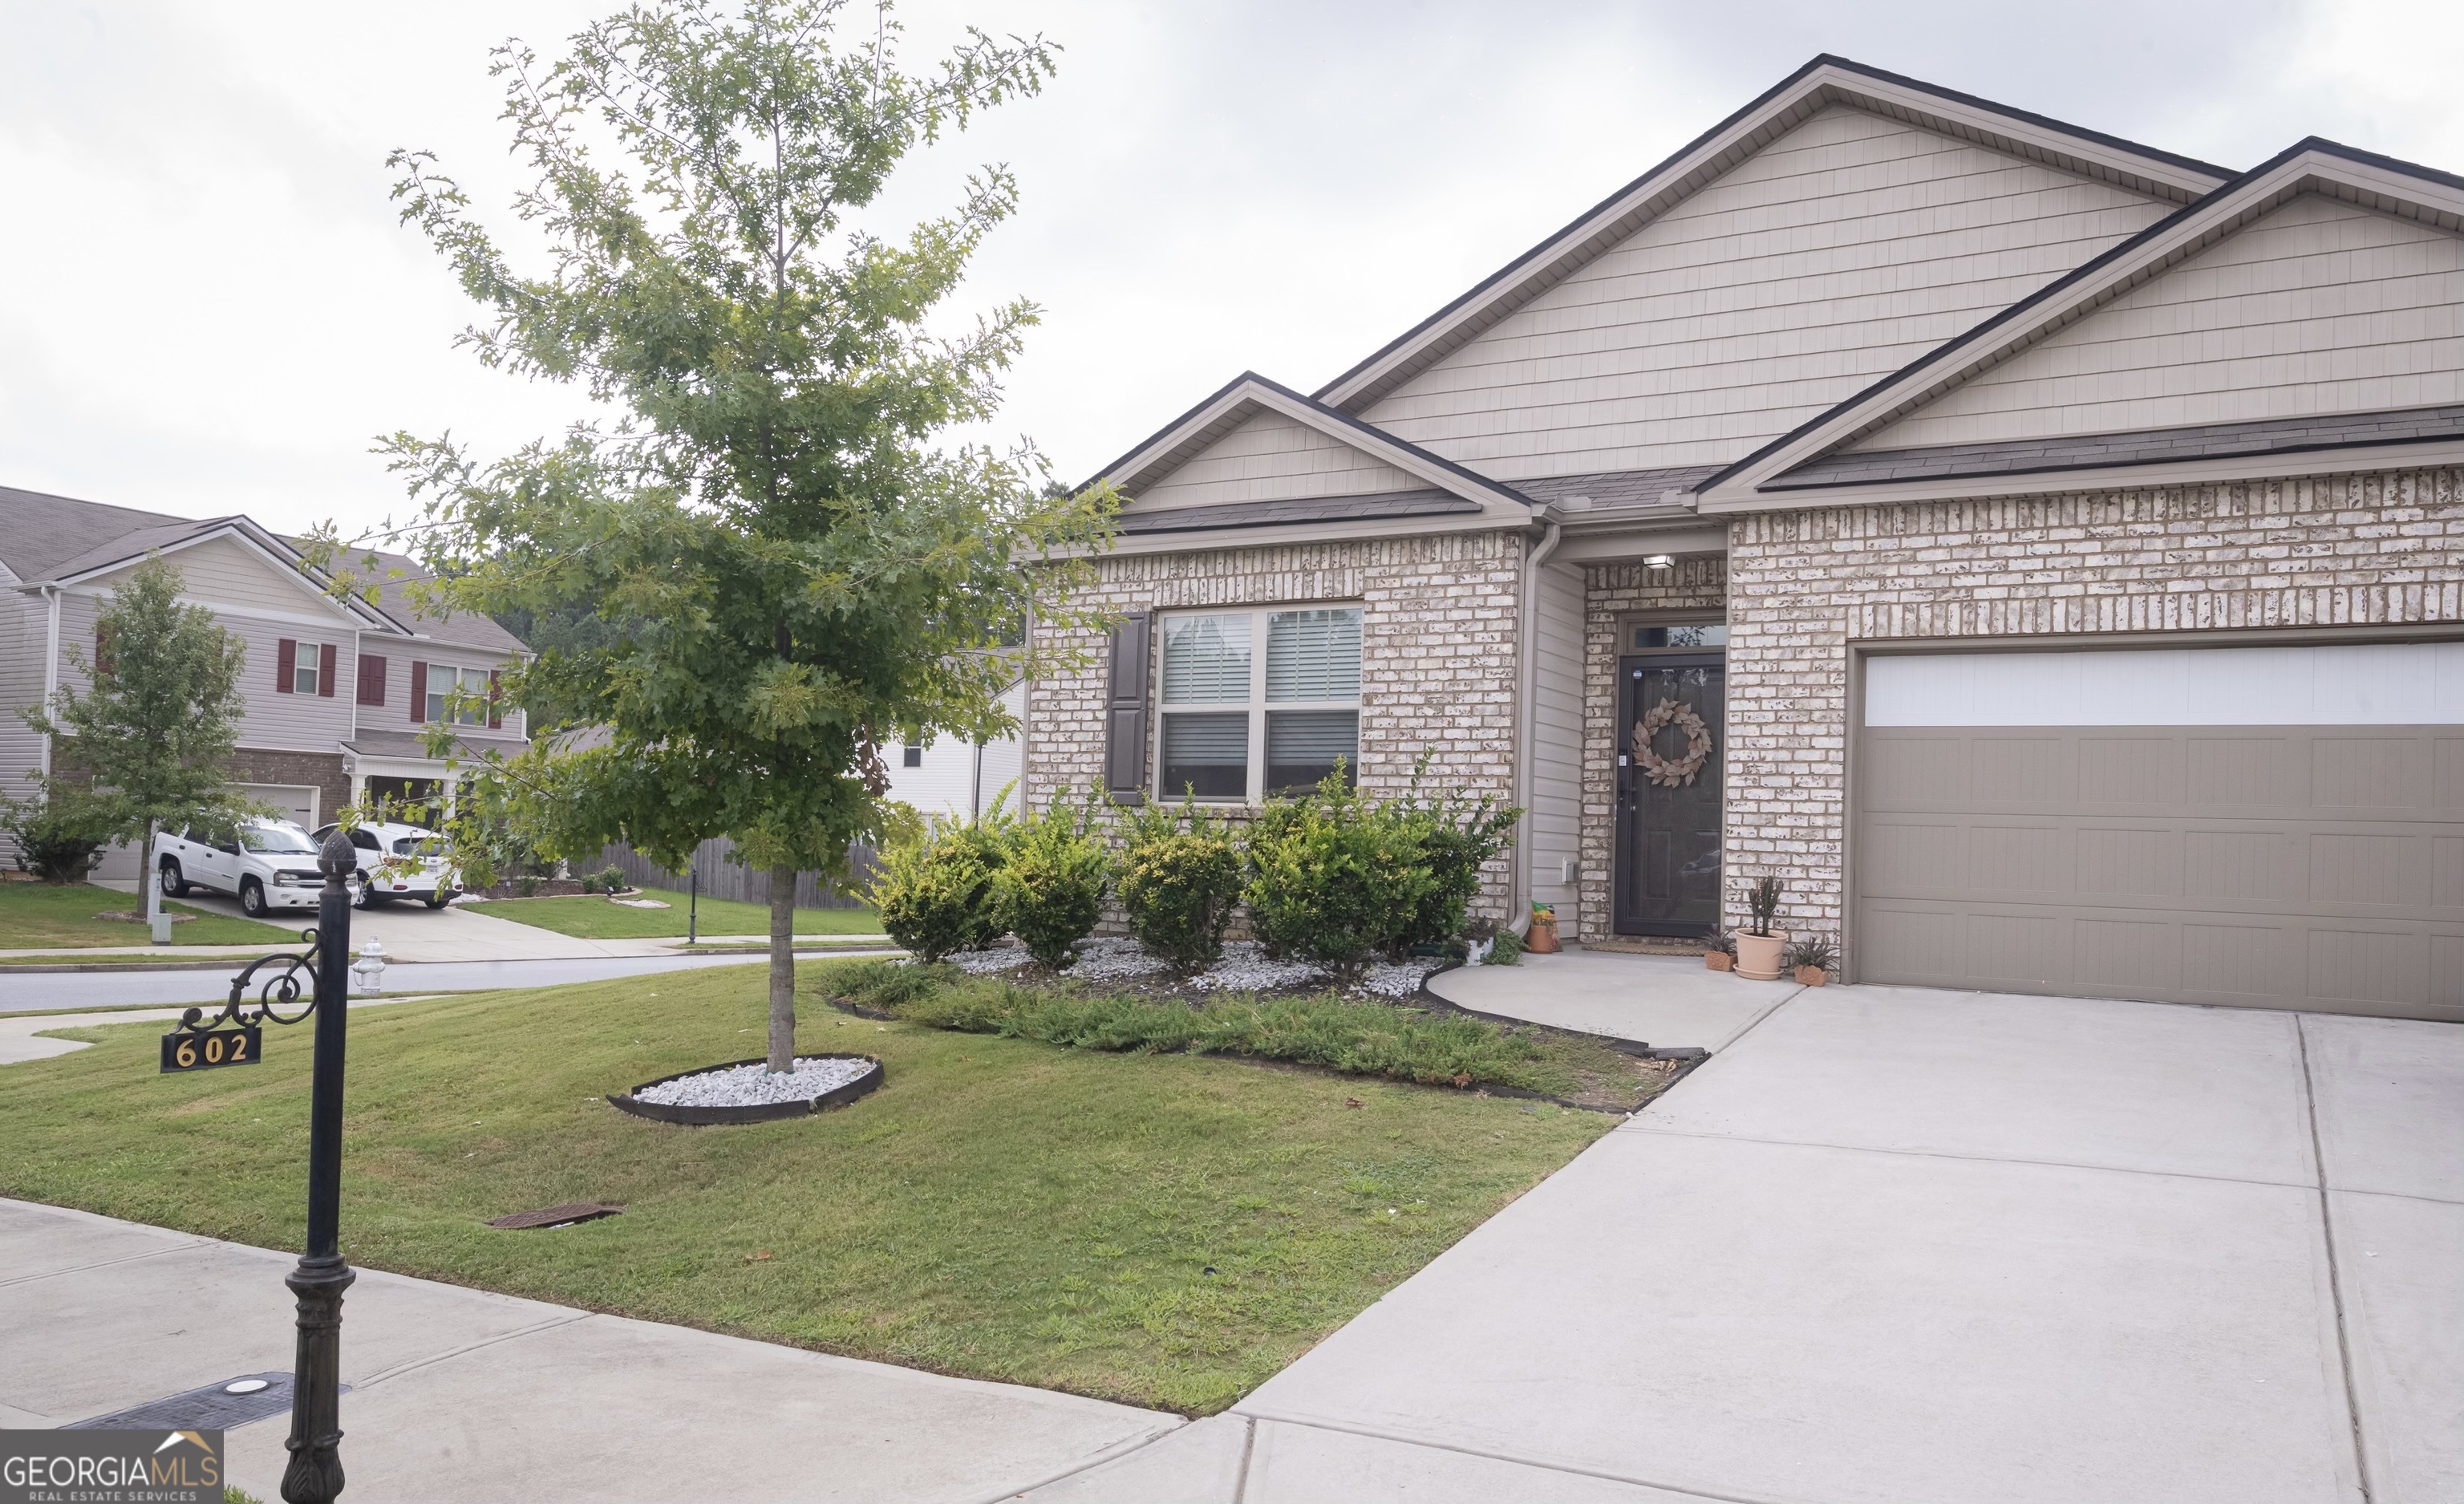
(2361, 684)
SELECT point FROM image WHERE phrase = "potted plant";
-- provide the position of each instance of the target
(1543, 939)
(1760, 944)
(1812, 960)
(1722, 952)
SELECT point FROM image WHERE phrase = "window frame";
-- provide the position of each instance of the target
(439, 711)
(307, 663)
(1256, 707)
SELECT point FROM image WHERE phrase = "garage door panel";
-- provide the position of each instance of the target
(2313, 865)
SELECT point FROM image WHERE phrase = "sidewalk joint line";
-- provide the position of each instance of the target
(2335, 1269)
(1640, 1125)
(1248, 1450)
(106, 1263)
(1375, 1435)
(387, 1375)
(1110, 1454)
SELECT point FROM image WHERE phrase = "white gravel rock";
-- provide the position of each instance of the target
(1246, 967)
(755, 1085)
(984, 962)
(1111, 957)
(1399, 979)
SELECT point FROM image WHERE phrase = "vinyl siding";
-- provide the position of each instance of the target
(223, 571)
(301, 722)
(946, 781)
(1837, 254)
(2319, 307)
(24, 630)
(1556, 810)
(1272, 458)
(395, 714)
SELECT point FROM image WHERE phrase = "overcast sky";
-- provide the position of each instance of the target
(209, 307)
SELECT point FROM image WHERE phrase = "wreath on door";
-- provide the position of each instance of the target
(1664, 771)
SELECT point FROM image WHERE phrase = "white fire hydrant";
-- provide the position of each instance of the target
(370, 967)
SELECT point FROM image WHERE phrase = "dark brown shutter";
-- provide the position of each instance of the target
(372, 675)
(326, 665)
(1125, 710)
(494, 718)
(103, 659)
(286, 660)
(418, 689)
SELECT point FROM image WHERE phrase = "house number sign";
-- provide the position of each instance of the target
(184, 1050)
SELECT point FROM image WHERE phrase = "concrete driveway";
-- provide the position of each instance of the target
(1899, 1245)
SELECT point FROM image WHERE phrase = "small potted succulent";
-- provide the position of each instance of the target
(1813, 959)
(1720, 953)
(1761, 944)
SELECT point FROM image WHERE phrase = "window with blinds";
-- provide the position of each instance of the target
(1238, 724)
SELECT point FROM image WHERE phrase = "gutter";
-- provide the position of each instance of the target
(52, 675)
(1527, 723)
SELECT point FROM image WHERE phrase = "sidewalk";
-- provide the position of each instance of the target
(465, 1396)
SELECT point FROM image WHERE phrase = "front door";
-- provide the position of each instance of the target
(1671, 746)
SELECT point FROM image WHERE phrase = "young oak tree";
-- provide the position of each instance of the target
(148, 745)
(793, 572)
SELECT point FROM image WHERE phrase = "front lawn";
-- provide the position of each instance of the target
(1167, 1230)
(597, 919)
(40, 914)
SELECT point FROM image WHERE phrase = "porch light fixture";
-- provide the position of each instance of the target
(1659, 560)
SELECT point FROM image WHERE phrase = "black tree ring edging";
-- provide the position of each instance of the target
(766, 1112)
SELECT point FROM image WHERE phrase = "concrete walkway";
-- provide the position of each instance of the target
(458, 1395)
(1897, 1245)
(1671, 1002)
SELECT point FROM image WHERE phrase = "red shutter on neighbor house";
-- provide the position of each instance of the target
(325, 660)
(1125, 710)
(418, 690)
(286, 660)
(372, 675)
(494, 718)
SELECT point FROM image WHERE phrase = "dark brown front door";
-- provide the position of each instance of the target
(1671, 705)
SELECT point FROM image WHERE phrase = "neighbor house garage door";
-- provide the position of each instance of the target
(2273, 826)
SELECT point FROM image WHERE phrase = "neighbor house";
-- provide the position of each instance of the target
(339, 692)
(2041, 552)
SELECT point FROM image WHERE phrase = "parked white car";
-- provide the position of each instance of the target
(266, 864)
(397, 861)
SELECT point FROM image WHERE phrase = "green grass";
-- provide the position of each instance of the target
(1354, 1036)
(1001, 1207)
(39, 913)
(596, 919)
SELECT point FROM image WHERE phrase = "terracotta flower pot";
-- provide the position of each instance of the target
(1542, 940)
(1811, 975)
(1758, 956)
(1718, 960)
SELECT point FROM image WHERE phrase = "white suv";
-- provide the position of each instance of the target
(397, 861)
(266, 864)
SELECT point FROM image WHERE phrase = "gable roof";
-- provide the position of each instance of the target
(2312, 165)
(1819, 84)
(45, 531)
(1248, 394)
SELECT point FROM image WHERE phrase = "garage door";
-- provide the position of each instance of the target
(2268, 827)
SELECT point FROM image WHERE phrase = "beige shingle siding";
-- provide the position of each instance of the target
(2319, 307)
(1272, 458)
(1803, 585)
(1696, 583)
(1439, 666)
(1837, 254)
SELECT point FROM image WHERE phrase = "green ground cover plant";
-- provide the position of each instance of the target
(598, 918)
(1166, 1230)
(1350, 1035)
(41, 913)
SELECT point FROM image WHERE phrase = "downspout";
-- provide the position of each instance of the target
(1526, 729)
(51, 670)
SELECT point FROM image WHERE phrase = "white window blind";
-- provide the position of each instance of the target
(1314, 654)
(1206, 660)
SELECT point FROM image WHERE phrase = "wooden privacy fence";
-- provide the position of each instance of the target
(724, 878)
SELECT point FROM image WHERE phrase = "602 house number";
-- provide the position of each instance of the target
(183, 1050)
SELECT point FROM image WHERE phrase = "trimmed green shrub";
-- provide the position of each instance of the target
(611, 878)
(1051, 888)
(1455, 835)
(939, 894)
(1334, 878)
(1179, 880)
(59, 837)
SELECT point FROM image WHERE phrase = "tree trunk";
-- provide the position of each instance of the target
(150, 882)
(783, 968)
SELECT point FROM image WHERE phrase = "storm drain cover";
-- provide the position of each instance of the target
(557, 1216)
(234, 1401)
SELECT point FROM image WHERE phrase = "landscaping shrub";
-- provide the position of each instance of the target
(1333, 878)
(1455, 835)
(611, 879)
(938, 894)
(58, 837)
(1179, 879)
(1051, 887)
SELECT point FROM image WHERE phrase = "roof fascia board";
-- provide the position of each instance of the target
(1824, 81)
(2274, 465)
(2306, 166)
(1221, 540)
(1251, 393)
(1627, 546)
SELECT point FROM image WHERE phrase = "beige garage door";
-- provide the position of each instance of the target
(2267, 826)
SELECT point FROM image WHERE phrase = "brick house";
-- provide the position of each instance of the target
(338, 693)
(2042, 552)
